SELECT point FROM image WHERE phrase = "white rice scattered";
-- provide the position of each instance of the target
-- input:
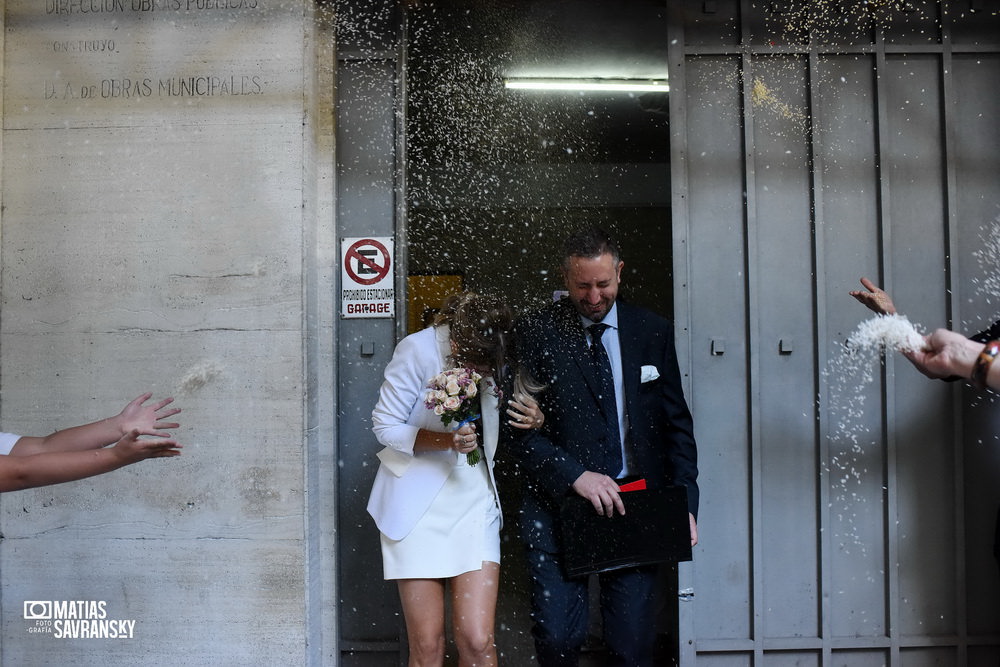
(886, 332)
(849, 392)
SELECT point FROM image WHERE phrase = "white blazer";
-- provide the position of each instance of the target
(407, 482)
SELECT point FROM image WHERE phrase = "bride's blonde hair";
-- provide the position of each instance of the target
(480, 327)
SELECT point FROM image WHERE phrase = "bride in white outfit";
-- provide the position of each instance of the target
(439, 517)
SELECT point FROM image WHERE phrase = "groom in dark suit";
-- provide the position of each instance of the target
(600, 429)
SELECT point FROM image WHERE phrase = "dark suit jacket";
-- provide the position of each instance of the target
(553, 348)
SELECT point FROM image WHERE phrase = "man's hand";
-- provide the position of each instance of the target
(601, 491)
(694, 529)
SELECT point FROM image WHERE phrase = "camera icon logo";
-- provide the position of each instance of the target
(38, 610)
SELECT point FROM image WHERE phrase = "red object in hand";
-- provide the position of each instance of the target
(637, 485)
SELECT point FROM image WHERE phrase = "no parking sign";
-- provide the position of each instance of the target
(368, 288)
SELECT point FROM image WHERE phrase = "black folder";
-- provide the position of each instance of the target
(654, 529)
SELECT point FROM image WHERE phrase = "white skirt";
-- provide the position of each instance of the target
(459, 531)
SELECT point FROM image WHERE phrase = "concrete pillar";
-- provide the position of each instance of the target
(155, 188)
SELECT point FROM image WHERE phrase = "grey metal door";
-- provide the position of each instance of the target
(847, 519)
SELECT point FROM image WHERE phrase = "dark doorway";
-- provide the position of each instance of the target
(496, 177)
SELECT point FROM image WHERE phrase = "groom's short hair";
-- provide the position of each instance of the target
(590, 242)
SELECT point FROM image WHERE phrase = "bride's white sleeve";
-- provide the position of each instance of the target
(402, 391)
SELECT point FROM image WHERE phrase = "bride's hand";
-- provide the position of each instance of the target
(464, 440)
(524, 412)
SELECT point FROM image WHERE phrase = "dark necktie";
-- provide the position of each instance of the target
(602, 366)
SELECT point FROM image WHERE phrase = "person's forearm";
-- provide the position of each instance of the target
(87, 436)
(978, 362)
(993, 377)
(76, 438)
(433, 441)
(964, 358)
(25, 472)
(548, 468)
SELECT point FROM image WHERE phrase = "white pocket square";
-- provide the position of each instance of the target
(648, 373)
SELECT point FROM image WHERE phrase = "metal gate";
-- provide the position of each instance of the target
(845, 520)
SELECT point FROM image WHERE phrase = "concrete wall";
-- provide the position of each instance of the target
(154, 238)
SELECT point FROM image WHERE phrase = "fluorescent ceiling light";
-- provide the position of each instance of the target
(609, 85)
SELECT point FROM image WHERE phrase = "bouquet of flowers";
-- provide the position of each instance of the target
(454, 397)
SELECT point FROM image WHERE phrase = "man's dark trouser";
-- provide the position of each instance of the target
(560, 611)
